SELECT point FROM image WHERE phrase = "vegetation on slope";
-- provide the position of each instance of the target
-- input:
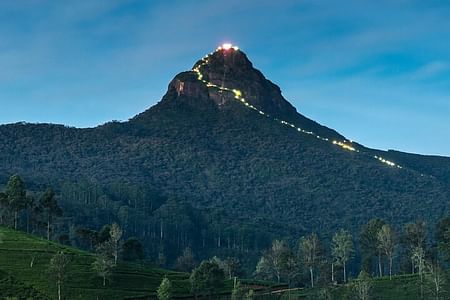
(24, 264)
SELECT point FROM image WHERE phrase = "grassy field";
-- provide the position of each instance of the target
(19, 277)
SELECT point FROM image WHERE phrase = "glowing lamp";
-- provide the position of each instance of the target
(227, 46)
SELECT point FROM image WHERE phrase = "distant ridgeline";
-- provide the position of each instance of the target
(223, 164)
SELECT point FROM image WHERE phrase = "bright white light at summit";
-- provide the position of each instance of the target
(227, 46)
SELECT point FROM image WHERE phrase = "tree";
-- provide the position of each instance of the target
(58, 268)
(4, 207)
(436, 280)
(164, 291)
(16, 196)
(362, 286)
(414, 238)
(232, 266)
(368, 241)
(418, 259)
(116, 234)
(133, 250)
(386, 243)
(206, 277)
(103, 265)
(342, 249)
(186, 261)
(273, 262)
(443, 237)
(49, 208)
(309, 253)
(292, 269)
(238, 292)
(105, 249)
(30, 208)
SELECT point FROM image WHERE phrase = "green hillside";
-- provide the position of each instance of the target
(18, 278)
(402, 287)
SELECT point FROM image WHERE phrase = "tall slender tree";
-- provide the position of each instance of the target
(59, 268)
(414, 237)
(342, 249)
(387, 244)
(309, 253)
(116, 234)
(4, 207)
(49, 208)
(368, 241)
(103, 265)
(273, 262)
(16, 196)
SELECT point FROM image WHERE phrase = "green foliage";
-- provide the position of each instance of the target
(16, 196)
(274, 262)
(207, 277)
(387, 243)
(32, 280)
(342, 249)
(164, 291)
(185, 262)
(59, 265)
(223, 181)
(309, 253)
(239, 292)
(443, 237)
(362, 286)
(132, 250)
(368, 240)
(103, 266)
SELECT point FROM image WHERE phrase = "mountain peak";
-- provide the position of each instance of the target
(227, 75)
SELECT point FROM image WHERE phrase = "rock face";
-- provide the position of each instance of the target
(232, 69)
(227, 75)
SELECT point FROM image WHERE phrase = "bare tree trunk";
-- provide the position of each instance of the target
(379, 266)
(28, 221)
(15, 220)
(104, 280)
(345, 274)
(59, 290)
(390, 267)
(48, 229)
(312, 276)
(332, 272)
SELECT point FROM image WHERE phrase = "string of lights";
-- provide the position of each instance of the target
(346, 145)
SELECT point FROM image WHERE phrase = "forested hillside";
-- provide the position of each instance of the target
(209, 169)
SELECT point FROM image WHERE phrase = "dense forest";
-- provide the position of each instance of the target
(378, 249)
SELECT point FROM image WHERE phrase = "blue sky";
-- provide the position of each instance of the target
(377, 71)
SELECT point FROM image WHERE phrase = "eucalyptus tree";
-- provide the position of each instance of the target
(309, 253)
(342, 249)
(387, 244)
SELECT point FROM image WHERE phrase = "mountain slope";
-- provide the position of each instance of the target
(225, 141)
(18, 250)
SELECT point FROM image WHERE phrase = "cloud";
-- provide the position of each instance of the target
(430, 70)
